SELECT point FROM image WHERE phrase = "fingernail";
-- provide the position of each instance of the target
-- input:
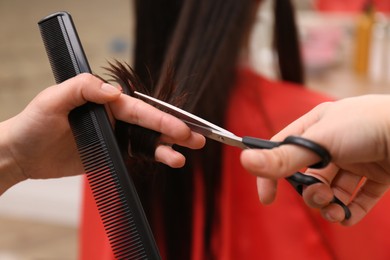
(254, 157)
(319, 200)
(119, 87)
(110, 89)
(329, 217)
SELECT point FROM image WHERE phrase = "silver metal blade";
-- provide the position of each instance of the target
(228, 139)
(181, 114)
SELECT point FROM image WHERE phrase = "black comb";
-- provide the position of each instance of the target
(118, 203)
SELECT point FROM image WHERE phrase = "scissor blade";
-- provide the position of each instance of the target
(228, 139)
(180, 113)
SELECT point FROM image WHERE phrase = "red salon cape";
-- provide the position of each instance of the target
(287, 229)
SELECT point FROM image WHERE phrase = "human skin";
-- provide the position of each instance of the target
(356, 132)
(38, 143)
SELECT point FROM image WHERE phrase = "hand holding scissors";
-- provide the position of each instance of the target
(209, 130)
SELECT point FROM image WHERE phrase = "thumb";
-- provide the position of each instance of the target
(278, 162)
(78, 91)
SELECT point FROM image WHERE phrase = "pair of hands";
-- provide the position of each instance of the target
(38, 143)
(356, 132)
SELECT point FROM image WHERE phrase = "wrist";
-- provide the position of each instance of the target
(10, 173)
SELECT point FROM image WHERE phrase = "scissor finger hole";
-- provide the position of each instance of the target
(322, 153)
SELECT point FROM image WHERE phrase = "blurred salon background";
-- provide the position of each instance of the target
(345, 45)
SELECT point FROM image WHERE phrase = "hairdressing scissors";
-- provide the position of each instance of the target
(298, 180)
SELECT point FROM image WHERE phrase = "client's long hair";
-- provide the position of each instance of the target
(186, 54)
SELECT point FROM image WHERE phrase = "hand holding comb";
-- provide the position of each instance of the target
(117, 200)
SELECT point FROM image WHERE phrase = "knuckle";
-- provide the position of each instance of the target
(85, 77)
(137, 112)
(281, 161)
(324, 105)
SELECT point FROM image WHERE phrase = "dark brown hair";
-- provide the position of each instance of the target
(186, 53)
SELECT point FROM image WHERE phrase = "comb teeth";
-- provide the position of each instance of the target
(117, 200)
(108, 193)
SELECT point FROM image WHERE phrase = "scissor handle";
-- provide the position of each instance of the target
(299, 180)
(312, 146)
(252, 142)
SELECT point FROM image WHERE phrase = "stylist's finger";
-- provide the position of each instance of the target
(286, 159)
(320, 194)
(194, 141)
(266, 190)
(167, 155)
(135, 111)
(278, 162)
(343, 186)
(367, 197)
(75, 92)
(336, 183)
